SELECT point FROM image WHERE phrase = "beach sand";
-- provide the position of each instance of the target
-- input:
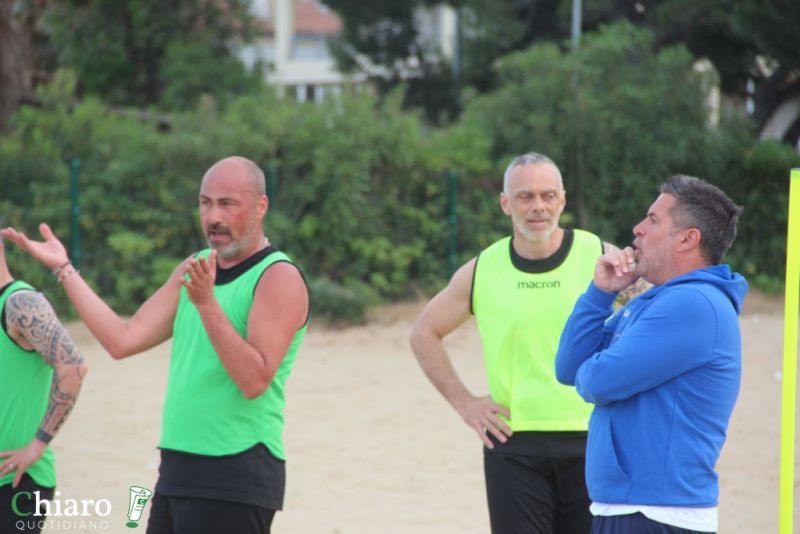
(371, 446)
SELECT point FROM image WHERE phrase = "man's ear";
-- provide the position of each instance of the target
(690, 240)
(504, 204)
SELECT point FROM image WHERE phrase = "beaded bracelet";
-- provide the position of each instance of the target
(60, 279)
(58, 269)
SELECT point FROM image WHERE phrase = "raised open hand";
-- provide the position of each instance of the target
(50, 252)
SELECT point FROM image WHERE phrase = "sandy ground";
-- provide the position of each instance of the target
(372, 448)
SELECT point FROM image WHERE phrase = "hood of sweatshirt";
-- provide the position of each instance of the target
(732, 284)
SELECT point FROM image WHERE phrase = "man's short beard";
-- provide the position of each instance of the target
(536, 238)
(235, 248)
(229, 251)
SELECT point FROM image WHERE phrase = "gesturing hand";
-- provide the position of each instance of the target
(50, 252)
(615, 270)
(200, 281)
(483, 415)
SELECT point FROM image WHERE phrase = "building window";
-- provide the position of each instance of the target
(310, 47)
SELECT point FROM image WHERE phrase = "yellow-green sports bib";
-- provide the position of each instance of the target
(521, 307)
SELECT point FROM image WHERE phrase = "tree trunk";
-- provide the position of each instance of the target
(15, 66)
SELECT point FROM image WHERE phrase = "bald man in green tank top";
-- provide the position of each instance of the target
(521, 291)
(237, 312)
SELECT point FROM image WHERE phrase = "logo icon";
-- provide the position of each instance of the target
(139, 497)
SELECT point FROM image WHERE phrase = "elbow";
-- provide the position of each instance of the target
(421, 339)
(115, 349)
(563, 377)
(254, 387)
(564, 374)
(252, 392)
(71, 375)
(414, 339)
(119, 350)
(83, 369)
(593, 393)
(117, 353)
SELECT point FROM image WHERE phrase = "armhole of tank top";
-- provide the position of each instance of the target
(5, 326)
(602, 245)
(472, 286)
(305, 283)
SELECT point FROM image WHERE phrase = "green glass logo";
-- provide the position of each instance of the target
(139, 498)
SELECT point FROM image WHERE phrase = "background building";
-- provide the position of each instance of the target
(292, 47)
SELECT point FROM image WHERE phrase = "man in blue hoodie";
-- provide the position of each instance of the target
(664, 371)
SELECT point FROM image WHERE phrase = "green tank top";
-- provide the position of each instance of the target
(205, 412)
(25, 380)
(520, 316)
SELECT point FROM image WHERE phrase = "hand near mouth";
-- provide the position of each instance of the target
(615, 270)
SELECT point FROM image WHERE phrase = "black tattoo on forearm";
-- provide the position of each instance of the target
(31, 314)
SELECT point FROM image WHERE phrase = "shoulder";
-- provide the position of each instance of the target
(282, 290)
(26, 307)
(688, 303)
(282, 267)
(26, 299)
(585, 234)
(499, 245)
(586, 242)
(282, 276)
(465, 273)
(496, 254)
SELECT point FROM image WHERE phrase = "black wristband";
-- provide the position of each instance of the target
(43, 436)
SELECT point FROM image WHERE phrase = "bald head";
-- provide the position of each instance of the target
(238, 166)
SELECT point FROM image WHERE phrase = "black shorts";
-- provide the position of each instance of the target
(535, 483)
(191, 515)
(10, 522)
(212, 494)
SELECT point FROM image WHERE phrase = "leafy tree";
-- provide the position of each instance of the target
(618, 117)
(133, 51)
(732, 34)
(386, 34)
(14, 64)
(771, 27)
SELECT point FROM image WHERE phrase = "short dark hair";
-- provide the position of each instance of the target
(703, 206)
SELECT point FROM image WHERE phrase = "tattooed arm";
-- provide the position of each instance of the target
(33, 324)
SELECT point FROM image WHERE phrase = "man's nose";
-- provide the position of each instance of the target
(213, 214)
(537, 203)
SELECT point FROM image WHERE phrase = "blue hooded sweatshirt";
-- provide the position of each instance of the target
(663, 374)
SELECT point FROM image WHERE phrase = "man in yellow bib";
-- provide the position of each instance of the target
(521, 290)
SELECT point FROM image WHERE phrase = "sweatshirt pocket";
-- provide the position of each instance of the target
(606, 480)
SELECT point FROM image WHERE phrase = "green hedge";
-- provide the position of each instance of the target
(360, 187)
